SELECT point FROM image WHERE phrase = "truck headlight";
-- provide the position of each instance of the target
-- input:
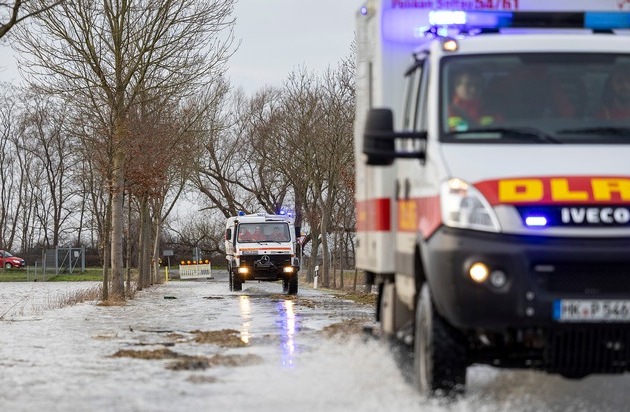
(288, 269)
(465, 207)
(243, 270)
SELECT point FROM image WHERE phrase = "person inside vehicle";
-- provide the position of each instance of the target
(277, 234)
(616, 95)
(466, 107)
(258, 234)
(244, 235)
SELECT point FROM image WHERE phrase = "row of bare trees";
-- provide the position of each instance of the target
(126, 110)
(290, 145)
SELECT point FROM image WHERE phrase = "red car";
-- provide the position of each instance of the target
(9, 261)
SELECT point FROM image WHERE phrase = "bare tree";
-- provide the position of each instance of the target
(13, 12)
(48, 144)
(113, 54)
(11, 176)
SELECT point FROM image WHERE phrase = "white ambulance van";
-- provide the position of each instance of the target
(493, 183)
(262, 247)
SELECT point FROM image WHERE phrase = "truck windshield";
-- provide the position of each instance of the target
(263, 232)
(537, 98)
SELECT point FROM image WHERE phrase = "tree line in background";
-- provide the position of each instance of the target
(127, 119)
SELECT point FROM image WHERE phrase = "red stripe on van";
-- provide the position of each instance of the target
(374, 215)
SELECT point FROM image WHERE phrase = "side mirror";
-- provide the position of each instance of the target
(382, 144)
(228, 234)
(378, 140)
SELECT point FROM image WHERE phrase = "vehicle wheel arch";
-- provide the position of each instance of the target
(419, 273)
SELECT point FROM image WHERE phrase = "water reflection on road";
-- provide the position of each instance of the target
(286, 322)
(246, 314)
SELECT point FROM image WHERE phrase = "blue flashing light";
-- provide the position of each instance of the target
(364, 11)
(285, 211)
(447, 17)
(241, 213)
(599, 20)
(404, 26)
(536, 221)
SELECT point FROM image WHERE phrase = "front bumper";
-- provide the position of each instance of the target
(265, 267)
(539, 271)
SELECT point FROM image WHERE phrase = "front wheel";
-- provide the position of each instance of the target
(237, 283)
(8, 265)
(440, 351)
(293, 285)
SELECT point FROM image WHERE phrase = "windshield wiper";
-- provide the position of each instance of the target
(607, 131)
(517, 133)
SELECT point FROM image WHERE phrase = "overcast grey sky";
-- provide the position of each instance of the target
(277, 37)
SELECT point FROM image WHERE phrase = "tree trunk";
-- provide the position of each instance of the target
(117, 188)
(105, 239)
(156, 248)
(128, 254)
(325, 253)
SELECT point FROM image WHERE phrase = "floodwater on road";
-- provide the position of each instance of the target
(193, 345)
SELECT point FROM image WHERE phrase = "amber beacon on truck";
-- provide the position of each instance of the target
(492, 145)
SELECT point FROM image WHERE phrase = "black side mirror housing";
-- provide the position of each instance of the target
(379, 140)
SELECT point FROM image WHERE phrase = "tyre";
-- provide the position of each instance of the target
(237, 283)
(293, 285)
(8, 265)
(231, 277)
(440, 351)
(285, 284)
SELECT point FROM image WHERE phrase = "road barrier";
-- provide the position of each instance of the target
(195, 271)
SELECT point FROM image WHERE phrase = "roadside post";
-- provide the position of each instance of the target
(167, 253)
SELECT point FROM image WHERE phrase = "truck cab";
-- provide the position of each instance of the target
(493, 192)
(262, 247)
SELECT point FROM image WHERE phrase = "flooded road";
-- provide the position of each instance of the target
(193, 345)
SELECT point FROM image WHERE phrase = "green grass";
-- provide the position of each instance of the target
(12, 275)
(23, 275)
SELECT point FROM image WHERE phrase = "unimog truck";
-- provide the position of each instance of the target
(262, 247)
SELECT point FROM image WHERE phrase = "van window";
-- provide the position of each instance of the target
(536, 98)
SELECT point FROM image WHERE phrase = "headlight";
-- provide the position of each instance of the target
(464, 207)
(243, 270)
(288, 269)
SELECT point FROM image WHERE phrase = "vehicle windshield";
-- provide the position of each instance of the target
(536, 98)
(263, 232)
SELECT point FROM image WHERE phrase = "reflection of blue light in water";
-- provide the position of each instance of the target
(288, 327)
(246, 315)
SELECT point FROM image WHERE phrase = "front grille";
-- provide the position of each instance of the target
(588, 278)
(274, 260)
(577, 352)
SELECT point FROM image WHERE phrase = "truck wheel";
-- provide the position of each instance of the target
(285, 284)
(440, 356)
(231, 277)
(293, 285)
(237, 283)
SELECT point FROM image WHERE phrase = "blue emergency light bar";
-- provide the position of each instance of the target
(404, 27)
(594, 20)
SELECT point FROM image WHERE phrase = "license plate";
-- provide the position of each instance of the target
(574, 310)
